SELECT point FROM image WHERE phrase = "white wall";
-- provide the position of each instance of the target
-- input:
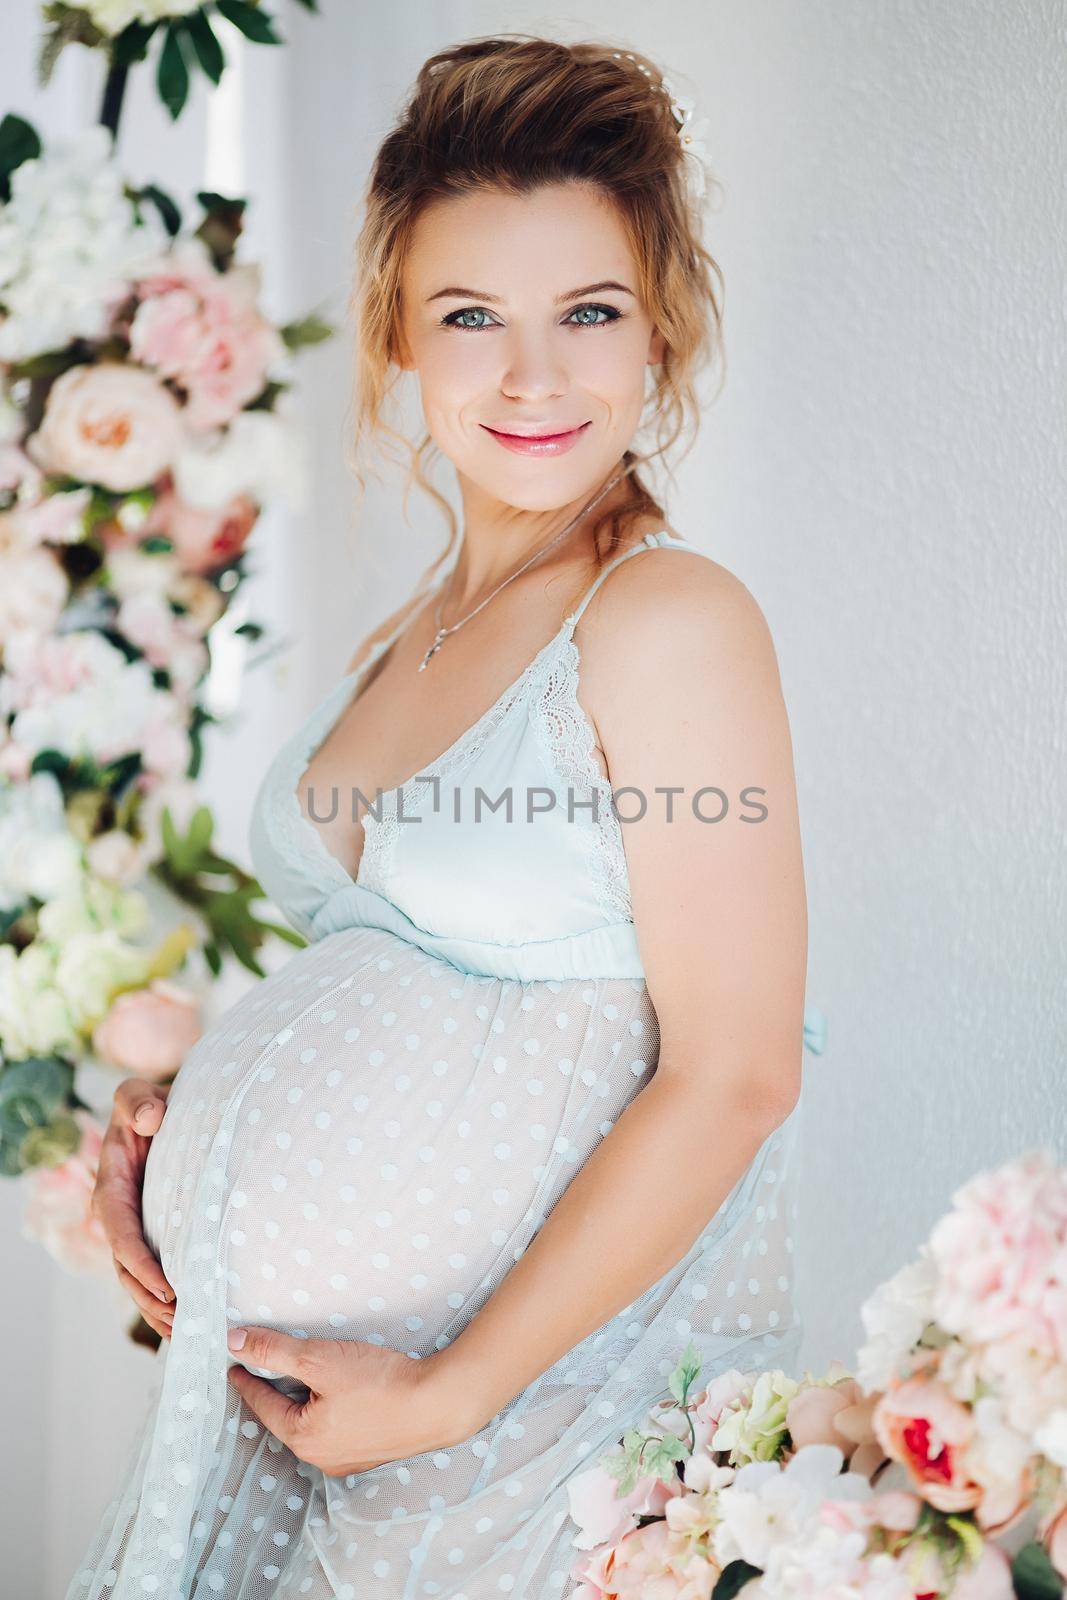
(880, 471)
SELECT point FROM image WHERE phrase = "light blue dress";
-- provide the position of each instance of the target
(371, 1137)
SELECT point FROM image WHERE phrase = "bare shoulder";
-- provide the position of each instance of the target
(668, 613)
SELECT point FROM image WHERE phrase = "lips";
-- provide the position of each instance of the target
(539, 436)
(546, 444)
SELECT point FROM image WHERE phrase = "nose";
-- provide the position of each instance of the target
(533, 369)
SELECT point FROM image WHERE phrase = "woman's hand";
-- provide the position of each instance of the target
(136, 1113)
(368, 1404)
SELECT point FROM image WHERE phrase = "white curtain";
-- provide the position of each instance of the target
(881, 472)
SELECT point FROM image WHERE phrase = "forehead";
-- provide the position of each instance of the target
(490, 240)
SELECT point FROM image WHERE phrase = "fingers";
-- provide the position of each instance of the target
(139, 1105)
(152, 1312)
(285, 1418)
(116, 1201)
(280, 1352)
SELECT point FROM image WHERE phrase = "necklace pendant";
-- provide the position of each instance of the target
(432, 651)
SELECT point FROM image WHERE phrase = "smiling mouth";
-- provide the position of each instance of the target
(564, 433)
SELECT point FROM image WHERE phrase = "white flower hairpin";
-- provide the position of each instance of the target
(692, 131)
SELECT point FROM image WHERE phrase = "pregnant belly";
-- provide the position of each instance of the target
(370, 1138)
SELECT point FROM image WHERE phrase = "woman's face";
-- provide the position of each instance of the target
(521, 313)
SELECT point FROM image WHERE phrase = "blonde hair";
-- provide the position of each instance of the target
(514, 112)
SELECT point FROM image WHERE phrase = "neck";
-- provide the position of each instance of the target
(498, 538)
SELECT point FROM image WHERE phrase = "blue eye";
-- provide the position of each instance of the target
(452, 319)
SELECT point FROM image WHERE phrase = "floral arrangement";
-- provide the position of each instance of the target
(143, 427)
(898, 1482)
(124, 30)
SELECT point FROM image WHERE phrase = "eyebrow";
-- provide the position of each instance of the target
(453, 293)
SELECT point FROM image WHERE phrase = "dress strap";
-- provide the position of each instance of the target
(651, 541)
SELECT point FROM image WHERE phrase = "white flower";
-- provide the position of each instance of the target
(69, 245)
(78, 694)
(260, 454)
(39, 856)
(766, 1506)
(35, 1018)
(894, 1317)
(89, 968)
(33, 591)
(112, 16)
(1051, 1437)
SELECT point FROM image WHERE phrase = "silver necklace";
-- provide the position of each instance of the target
(442, 633)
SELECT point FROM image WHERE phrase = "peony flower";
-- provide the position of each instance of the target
(261, 454)
(714, 1401)
(921, 1425)
(601, 1514)
(1001, 1257)
(813, 1413)
(39, 856)
(169, 641)
(652, 1563)
(768, 1505)
(56, 519)
(57, 1211)
(894, 1317)
(116, 857)
(150, 1031)
(69, 243)
(754, 1429)
(77, 693)
(108, 423)
(203, 329)
(33, 592)
(205, 540)
(36, 1019)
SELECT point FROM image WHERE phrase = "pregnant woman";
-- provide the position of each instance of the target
(442, 1200)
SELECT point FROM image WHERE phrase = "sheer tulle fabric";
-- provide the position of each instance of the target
(362, 1148)
(365, 1144)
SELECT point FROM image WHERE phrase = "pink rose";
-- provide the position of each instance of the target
(602, 1515)
(205, 539)
(813, 1414)
(652, 1563)
(149, 1031)
(203, 329)
(920, 1424)
(57, 519)
(109, 424)
(713, 1402)
(57, 1211)
(17, 469)
(989, 1578)
(33, 591)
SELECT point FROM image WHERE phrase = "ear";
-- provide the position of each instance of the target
(657, 346)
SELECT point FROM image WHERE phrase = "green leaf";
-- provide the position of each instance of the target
(685, 1373)
(733, 1579)
(172, 74)
(208, 50)
(132, 43)
(168, 211)
(252, 22)
(19, 142)
(1033, 1575)
(311, 329)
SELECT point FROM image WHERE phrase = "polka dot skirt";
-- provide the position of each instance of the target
(362, 1148)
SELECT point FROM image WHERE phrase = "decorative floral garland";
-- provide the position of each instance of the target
(143, 426)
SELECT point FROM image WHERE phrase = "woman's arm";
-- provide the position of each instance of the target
(680, 675)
